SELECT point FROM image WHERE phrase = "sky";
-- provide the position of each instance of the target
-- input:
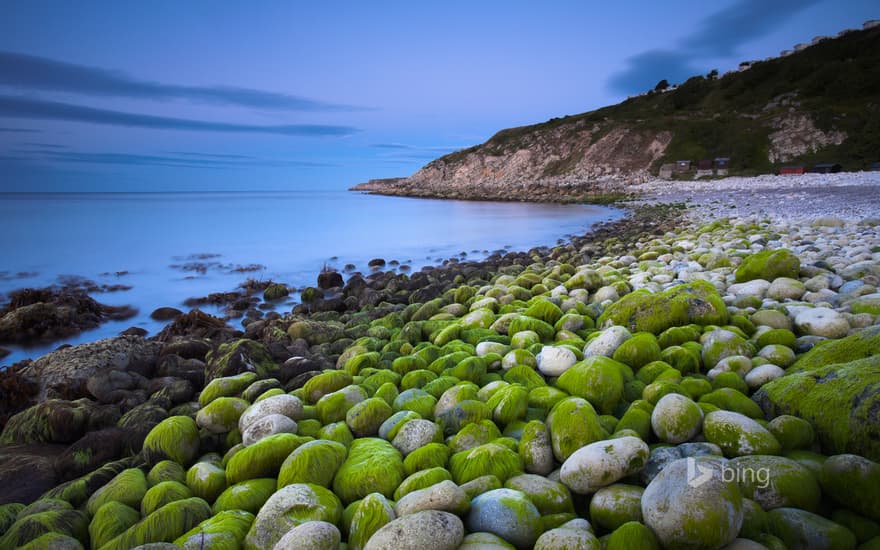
(283, 95)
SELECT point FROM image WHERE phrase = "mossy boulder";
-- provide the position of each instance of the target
(111, 520)
(776, 482)
(768, 265)
(535, 448)
(697, 303)
(803, 530)
(506, 513)
(638, 351)
(420, 480)
(328, 381)
(474, 435)
(72, 523)
(226, 386)
(237, 357)
(721, 343)
(459, 415)
(739, 435)
(616, 505)
(545, 310)
(522, 323)
(573, 423)
(206, 480)
(128, 487)
(602, 463)
(166, 470)
(373, 465)
(221, 415)
(283, 404)
(428, 530)
(632, 536)
(55, 421)
(792, 432)
(314, 462)
(248, 495)
(840, 401)
(372, 513)
(164, 525)
(333, 406)
(853, 482)
(676, 419)
(432, 455)
(316, 332)
(550, 497)
(416, 400)
(161, 494)
(224, 530)
(597, 379)
(262, 459)
(488, 459)
(729, 399)
(289, 507)
(691, 504)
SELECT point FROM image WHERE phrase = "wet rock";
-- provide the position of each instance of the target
(165, 313)
(329, 279)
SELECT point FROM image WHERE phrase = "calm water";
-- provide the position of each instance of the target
(136, 238)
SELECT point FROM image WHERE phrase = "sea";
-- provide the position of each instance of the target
(149, 250)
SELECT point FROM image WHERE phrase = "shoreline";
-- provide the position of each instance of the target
(749, 328)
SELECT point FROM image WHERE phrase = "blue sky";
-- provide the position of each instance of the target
(268, 95)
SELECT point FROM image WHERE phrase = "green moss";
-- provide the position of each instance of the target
(421, 480)
(315, 462)
(161, 494)
(521, 323)
(573, 423)
(370, 515)
(221, 415)
(175, 438)
(164, 525)
(639, 350)
(364, 418)
(618, 504)
(8, 514)
(550, 497)
(432, 455)
(225, 530)
(72, 523)
(488, 459)
(509, 404)
(128, 487)
(839, 400)
(338, 431)
(861, 345)
(166, 470)
(793, 526)
(597, 379)
(111, 520)
(730, 399)
(262, 459)
(372, 465)
(854, 482)
(249, 495)
(775, 482)
(525, 376)
(461, 414)
(768, 265)
(632, 536)
(206, 480)
(697, 303)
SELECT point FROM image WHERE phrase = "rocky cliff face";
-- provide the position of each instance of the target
(569, 160)
(796, 134)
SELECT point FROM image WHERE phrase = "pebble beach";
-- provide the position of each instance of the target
(702, 374)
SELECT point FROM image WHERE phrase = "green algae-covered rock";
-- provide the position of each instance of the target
(427, 530)
(371, 514)
(221, 415)
(739, 435)
(841, 401)
(161, 494)
(754, 519)
(164, 525)
(768, 265)
(615, 505)
(638, 351)
(602, 463)
(860, 345)
(73, 523)
(289, 507)
(328, 381)
(416, 400)
(545, 397)
(854, 482)
(417, 379)
(316, 332)
(315, 462)
(641, 311)
(597, 379)
(676, 336)
(226, 386)
(225, 530)
(803, 530)
(365, 418)
(568, 538)
(792, 432)
(111, 520)
(524, 376)
(262, 459)
(373, 465)
(432, 455)
(420, 480)
(863, 528)
(283, 404)
(394, 423)
(166, 470)
(474, 435)
(573, 423)
(461, 414)
(366, 360)
(535, 448)
(488, 459)
(175, 438)
(128, 487)
(444, 495)
(545, 310)
(509, 404)
(338, 431)
(521, 323)
(484, 541)
(333, 406)
(206, 480)
(729, 399)
(480, 485)
(243, 356)
(632, 536)
(8, 514)
(776, 482)
(45, 505)
(691, 504)
(248, 495)
(681, 359)
(53, 541)
(676, 419)
(550, 497)
(508, 514)
(52, 421)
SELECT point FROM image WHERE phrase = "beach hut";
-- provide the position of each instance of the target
(667, 170)
(792, 170)
(682, 165)
(875, 167)
(827, 168)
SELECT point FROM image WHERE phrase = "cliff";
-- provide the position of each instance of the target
(821, 104)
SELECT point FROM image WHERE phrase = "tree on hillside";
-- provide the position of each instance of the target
(662, 85)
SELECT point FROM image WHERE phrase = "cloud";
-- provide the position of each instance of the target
(40, 73)
(185, 160)
(716, 36)
(17, 107)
